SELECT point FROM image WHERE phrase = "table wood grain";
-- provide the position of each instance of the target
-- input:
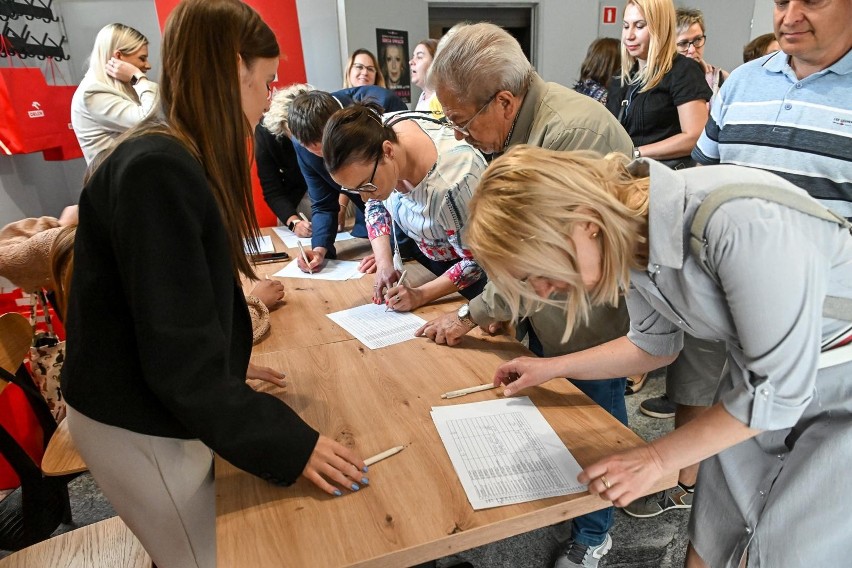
(415, 508)
(105, 544)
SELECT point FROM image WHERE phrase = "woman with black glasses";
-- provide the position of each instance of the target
(415, 174)
(690, 41)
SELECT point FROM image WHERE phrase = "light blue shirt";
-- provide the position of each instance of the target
(765, 117)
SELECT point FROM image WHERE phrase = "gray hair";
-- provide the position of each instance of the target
(475, 61)
(277, 118)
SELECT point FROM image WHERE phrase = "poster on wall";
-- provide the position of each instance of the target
(393, 60)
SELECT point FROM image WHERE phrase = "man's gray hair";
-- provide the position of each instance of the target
(277, 118)
(475, 61)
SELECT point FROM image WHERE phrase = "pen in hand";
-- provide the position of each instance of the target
(398, 284)
(304, 257)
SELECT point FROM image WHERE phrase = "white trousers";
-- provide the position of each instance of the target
(162, 488)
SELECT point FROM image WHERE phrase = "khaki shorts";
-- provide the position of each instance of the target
(693, 378)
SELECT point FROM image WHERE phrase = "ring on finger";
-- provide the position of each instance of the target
(606, 482)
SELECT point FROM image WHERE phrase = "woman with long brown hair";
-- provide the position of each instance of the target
(159, 336)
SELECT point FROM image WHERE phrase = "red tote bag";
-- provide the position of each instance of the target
(28, 121)
(68, 147)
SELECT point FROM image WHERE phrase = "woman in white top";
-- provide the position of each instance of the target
(418, 176)
(421, 61)
(114, 94)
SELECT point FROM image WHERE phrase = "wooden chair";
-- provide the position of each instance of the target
(105, 544)
(32, 513)
(16, 336)
(61, 456)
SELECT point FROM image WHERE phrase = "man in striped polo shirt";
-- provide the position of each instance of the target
(791, 112)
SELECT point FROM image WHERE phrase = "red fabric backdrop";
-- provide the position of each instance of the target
(282, 17)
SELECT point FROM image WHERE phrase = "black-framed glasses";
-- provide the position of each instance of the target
(360, 67)
(463, 128)
(683, 46)
(368, 187)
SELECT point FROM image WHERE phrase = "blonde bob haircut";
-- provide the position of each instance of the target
(112, 38)
(525, 209)
(277, 119)
(660, 17)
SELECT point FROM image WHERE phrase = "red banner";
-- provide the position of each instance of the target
(282, 17)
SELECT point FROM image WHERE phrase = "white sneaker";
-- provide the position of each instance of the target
(578, 555)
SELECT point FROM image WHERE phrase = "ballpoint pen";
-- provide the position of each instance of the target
(398, 284)
(304, 256)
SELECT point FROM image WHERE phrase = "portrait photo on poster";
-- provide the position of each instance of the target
(393, 59)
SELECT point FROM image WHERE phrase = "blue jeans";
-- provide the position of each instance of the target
(591, 529)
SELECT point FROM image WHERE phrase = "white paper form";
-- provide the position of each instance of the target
(505, 452)
(331, 270)
(375, 328)
(290, 238)
(264, 244)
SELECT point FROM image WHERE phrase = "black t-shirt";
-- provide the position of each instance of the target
(652, 116)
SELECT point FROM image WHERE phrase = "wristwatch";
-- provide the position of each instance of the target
(136, 77)
(292, 225)
(464, 316)
(636, 153)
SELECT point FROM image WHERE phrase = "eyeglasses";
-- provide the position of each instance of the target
(463, 128)
(360, 67)
(683, 46)
(368, 187)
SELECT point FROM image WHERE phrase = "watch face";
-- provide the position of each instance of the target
(464, 311)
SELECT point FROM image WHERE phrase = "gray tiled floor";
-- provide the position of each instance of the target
(659, 542)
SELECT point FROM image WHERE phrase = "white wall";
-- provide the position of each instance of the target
(320, 43)
(762, 22)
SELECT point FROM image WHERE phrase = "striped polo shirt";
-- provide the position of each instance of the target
(765, 117)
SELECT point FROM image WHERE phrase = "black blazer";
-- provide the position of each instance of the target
(158, 333)
(278, 171)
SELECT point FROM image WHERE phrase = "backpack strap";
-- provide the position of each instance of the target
(413, 115)
(833, 306)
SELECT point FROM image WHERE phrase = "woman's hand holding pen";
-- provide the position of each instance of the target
(332, 467)
(315, 258)
(303, 228)
(401, 298)
(522, 373)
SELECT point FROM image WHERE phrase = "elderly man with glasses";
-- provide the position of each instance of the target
(493, 99)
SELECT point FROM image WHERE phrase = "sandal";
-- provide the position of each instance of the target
(635, 383)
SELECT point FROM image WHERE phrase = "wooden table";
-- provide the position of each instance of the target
(415, 508)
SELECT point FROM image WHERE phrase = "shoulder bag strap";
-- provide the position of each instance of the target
(833, 306)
